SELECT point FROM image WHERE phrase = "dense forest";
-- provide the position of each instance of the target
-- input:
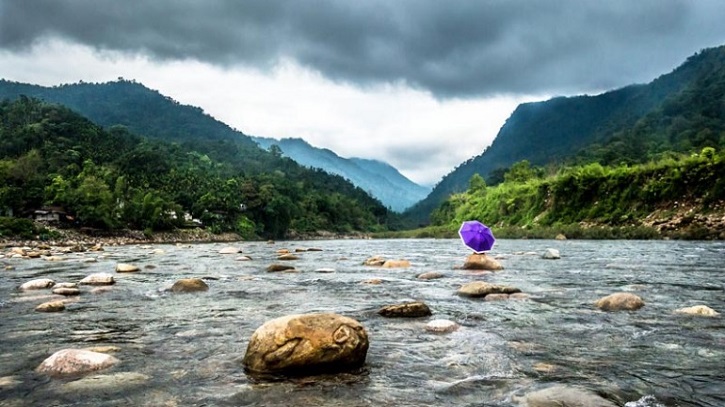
(111, 179)
(680, 112)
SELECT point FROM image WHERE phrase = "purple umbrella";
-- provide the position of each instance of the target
(477, 236)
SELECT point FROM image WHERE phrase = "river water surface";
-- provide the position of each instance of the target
(186, 349)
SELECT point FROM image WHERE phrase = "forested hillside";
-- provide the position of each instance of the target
(112, 179)
(378, 178)
(681, 112)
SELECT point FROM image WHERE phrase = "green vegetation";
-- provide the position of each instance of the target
(112, 179)
(591, 201)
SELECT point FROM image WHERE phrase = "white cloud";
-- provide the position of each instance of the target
(423, 137)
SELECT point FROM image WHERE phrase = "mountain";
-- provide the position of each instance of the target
(681, 111)
(379, 179)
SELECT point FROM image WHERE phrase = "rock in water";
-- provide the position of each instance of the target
(702, 310)
(230, 250)
(67, 291)
(272, 268)
(75, 361)
(189, 285)
(375, 261)
(551, 254)
(406, 310)
(481, 262)
(98, 279)
(430, 275)
(126, 268)
(566, 396)
(37, 284)
(307, 344)
(51, 306)
(390, 264)
(620, 302)
(482, 289)
(441, 326)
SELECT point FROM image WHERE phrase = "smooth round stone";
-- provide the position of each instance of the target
(37, 284)
(117, 382)
(98, 279)
(126, 268)
(391, 264)
(189, 285)
(51, 306)
(325, 270)
(74, 361)
(66, 285)
(551, 254)
(414, 309)
(441, 326)
(66, 291)
(431, 275)
(288, 256)
(230, 250)
(700, 310)
(280, 267)
(620, 302)
(243, 258)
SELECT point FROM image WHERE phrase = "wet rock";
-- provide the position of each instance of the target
(518, 296)
(389, 264)
(551, 254)
(307, 344)
(481, 262)
(406, 310)
(113, 383)
(565, 396)
(283, 251)
(67, 291)
(243, 258)
(104, 349)
(701, 310)
(375, 261)
(98, 279)
(126, 268)
(75, 361)
(65, 285)
(37, 284)
(51, 306)
(373, 281)
(33, 255)
(9, 382)
(230, 250)
(189, 285)
(288, 256)
(300, 250)
(280, 267)
(482, 289)
(560, 236)
(325, 270)
(431, 275)
(314, 249)
(496, 297)
(620, 302)
(441, 326)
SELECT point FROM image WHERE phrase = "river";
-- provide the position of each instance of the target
(186, 349)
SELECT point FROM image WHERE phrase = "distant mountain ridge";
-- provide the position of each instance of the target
(379, 179)
(679, 111)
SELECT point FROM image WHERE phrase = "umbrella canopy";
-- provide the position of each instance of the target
(477, 236)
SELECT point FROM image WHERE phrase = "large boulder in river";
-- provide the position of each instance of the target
(307, 344)
(566, 396)
(37, 284)
(189, 285)
(701, 310)
(620, 302)
(75, 361)
(481, 262)
(482, 289)
(551, 254)
(405, 310)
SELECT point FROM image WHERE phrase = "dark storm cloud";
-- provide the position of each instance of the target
(452, 48)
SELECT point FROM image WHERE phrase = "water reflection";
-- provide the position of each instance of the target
(186, 349)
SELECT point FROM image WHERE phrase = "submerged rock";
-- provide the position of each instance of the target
(307, 344)
(113, 383)
(702, 310)
(389, 264)
(230, 250)
(37, 284)
(483, 289)
(406, 310)
(551, 254)
(287, 256)
(280, 267)
(441, 326)
(75, 361)
(566, 396)
(481, 262)
(51, 306)
(375, 261)
(98, 279)
(66, 291)
(430, 275)
(189, 285)
(620, 302)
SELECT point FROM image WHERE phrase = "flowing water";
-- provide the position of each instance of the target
(186, 349)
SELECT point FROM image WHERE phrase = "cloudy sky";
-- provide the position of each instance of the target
(421, 84)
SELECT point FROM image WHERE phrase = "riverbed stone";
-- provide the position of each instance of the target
(243, 258)
(413, 309)
(701, 310)
(67, 291)
(307, 344)
(620, 302)
(65, 285)
(483, 289)
(551, 254)
(325, 270)
(189, 285)
(565, 396)
(288, 256)
(430, 275)
(37, 284)
(481, 262)
(280, 267)
(230, 250)
(111, 383)
(441, 326)
(75, 361)
(98, 279)
(402, 263)
(126, 268)
(375, 261)
(496, 297)
(51, 306)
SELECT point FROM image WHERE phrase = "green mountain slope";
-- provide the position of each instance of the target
(681, 111)
(380, 179)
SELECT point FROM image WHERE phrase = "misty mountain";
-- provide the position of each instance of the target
(379, 179)
(681, 111)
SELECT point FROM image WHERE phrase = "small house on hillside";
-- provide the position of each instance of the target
(50, 214)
